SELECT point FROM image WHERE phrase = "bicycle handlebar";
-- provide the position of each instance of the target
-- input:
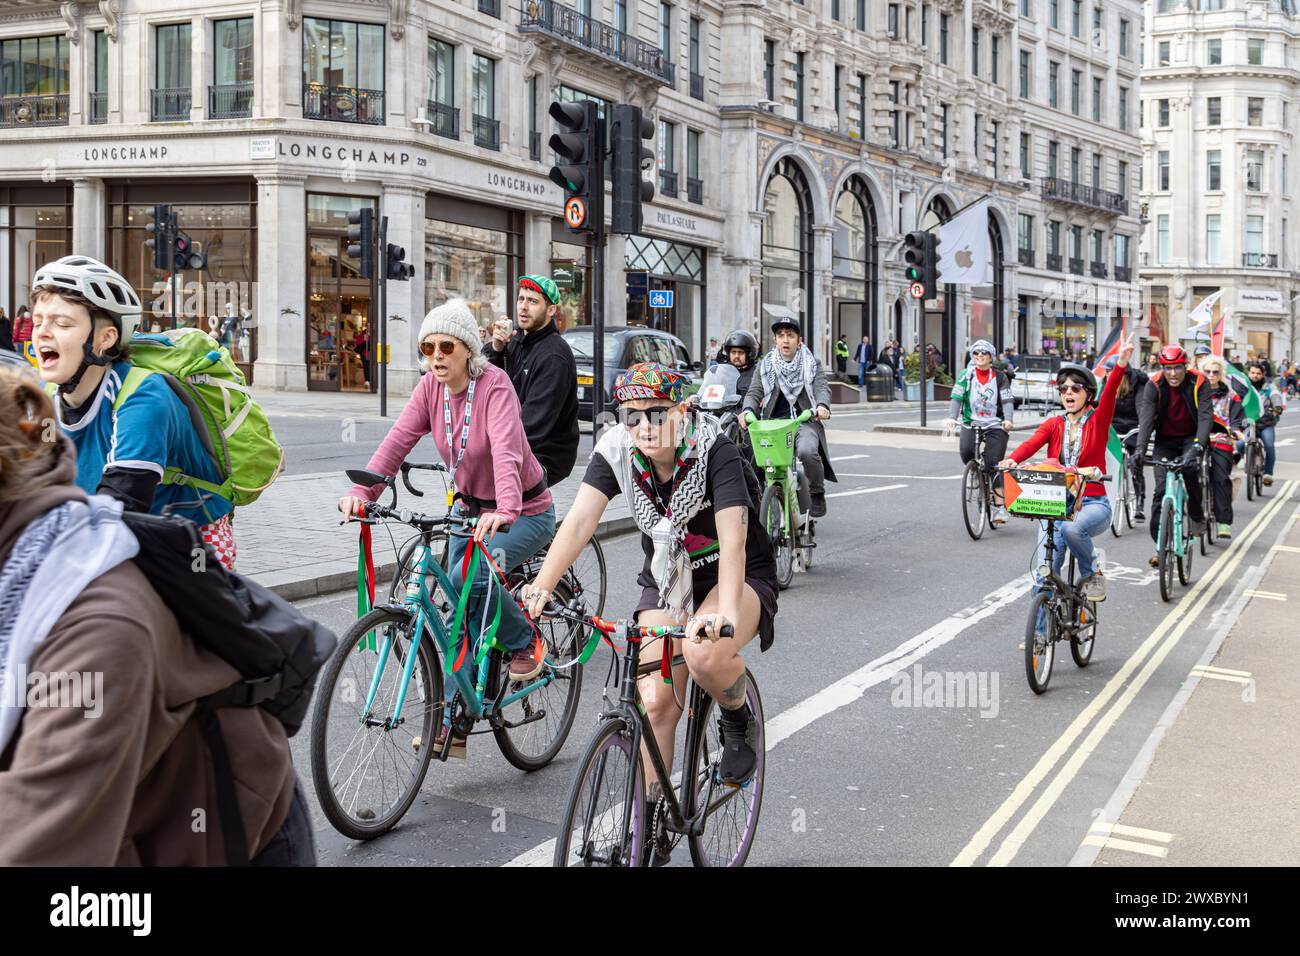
(572, 612)
(408, 467)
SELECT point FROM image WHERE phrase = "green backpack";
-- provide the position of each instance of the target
(232, 426)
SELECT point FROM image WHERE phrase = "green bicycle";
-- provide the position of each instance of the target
(1174, 543)
(786, 498)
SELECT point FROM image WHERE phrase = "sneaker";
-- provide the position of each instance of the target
(1268, 480)
(1139, 517)
(1000, 516)
(523, 666)
(457, 744)
(818, 509)
(739, 757)
(1225, 531)
(1094, 589)
(1154, 561)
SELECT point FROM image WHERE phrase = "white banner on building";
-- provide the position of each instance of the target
(965, 256)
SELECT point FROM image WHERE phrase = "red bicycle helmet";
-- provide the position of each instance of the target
(1173, 355)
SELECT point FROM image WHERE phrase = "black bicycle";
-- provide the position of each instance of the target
(1126, 502)
(977, 488)
(1211, 535)
(1253, 463)
(608, 820)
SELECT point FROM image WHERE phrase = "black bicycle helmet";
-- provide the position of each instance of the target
(742, 339)
(1082, 373)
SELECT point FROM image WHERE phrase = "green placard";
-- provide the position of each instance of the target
(563, 272)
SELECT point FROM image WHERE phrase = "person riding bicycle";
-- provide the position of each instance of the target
(545, 375)
(981, 398)
(83, 315)
(741, 348)
(1274, 404)
(470, 409)
(1077, 439)
(790, 381)
(1126, 420)
(708, 561)
(1175, 408)
(1228, 428)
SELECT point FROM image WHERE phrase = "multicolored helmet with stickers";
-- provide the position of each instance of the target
(649, 380)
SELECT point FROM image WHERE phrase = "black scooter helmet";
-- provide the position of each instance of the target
(1082, 373)
(742, 339)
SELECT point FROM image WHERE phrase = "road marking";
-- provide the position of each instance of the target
(1106, 829)
(849, 474)
(1192, 602)
(1110, 843)
(1200, 673)
(864, 491)
(849, 457)
(853, 686)
(1292, 549)
(1267, 595)
(1221, 670)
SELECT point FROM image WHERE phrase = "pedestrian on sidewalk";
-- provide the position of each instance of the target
(841, 358)
(865, 356)
(22, 329)
(6, 331)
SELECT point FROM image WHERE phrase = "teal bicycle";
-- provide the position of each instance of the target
(786, 499)
(380, 700)
(1175, 545)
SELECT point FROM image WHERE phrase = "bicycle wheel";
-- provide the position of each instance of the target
(543, 719)
(1130, 494)
(1249, 467)
(772, 513)
(732, 816)
(1116, 514)
(591, 574)
(974, 506)
(1085, 632)
(1185, 564)
(593, 831)
(366, 775)
(1166, 563)
(1040, 650)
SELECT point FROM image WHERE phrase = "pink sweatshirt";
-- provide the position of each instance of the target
(498, 464)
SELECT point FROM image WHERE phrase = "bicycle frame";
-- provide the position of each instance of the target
(1176, 489)
(1064, 587)
(788, 476)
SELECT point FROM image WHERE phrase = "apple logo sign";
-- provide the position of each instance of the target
(964, 258)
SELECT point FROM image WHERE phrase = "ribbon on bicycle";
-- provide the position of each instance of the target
(365, 583)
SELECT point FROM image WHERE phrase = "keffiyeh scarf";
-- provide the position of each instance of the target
(793, 377)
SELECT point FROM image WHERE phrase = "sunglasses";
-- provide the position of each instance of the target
(1213, 371)
(631, 417)
(1071, 388)
(446, 348)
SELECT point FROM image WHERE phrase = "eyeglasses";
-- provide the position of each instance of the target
(445, 347)
(1072, 388)
(1213, 371)
(631, 417)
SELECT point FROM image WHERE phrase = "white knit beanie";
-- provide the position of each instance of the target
(453, 318)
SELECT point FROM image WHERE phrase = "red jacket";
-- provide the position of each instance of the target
(23, 328)
(1096, 432)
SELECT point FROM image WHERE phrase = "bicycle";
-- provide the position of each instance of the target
(786, 496)
(605, 819)
(1173, 541)
(1253, 462)
(1126, 501)
(1067, 614)
(977, 489)
(1211, 535)
(374, 727)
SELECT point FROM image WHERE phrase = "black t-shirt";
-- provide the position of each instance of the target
(729, 484)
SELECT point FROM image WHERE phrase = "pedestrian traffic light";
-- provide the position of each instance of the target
(395, 264)
(185, 255)
(361, 239)
(580, 164)
(920, 261)
(630, 158)
(161, 228)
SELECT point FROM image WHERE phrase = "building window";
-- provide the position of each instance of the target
(1096, 170)
(1096, 100)
(487, 128)
(835, 9)
(1162, 53)
(1255, 111)
(787, 245)
(1053, 85)
(667, 159)
(1122, 178)
(1025, 232)
(1024, 74)
(1162, 170)
(1255, 240)
(343, 70)
(798, 86)
(975, 51)
(1214, 52)
(1254, 170)
(893, 21)
(666, 30)
(854, 262)
(35, 69)
(1053, 159)
(1123, 109)
(620, 16)
(697, 69)
(232, 69)
(769, 69)
(1076, 82)
(444, 118)
(1076, 160)
(861, 14)
(1098, 247)
(1123, 38)
(839, 83)
(944, 127)
(1255, 52)
(99, 79)
(1025, 152)
(862, 106)
(1213, 170)
(1098, 34)
(1213, 111)
(1076, 242)
(1054, 237)
(1162, 112)
(997, 159)
(694, 184)
(1212, 240)
(1025, 9)
(995, 67)
(894, 115)
(171, 96)
(943, 38)
(1076, 17)
(1121, 252)
(925, 25)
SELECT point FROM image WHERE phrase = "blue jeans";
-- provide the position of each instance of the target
(862, 375)
(1093, 519)
(509, 549)
(1268, 437)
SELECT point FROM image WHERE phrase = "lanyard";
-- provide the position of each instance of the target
(1072, 443)
(464, 432)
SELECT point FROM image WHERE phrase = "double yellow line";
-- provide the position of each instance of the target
(1170, 631)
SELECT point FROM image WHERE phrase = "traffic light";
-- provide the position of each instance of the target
(920, 261)
(161, 228)
(361, 239)
(580, 164)
(629, 158)
(395, 264)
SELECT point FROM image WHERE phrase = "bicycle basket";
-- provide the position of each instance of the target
(773, 441)
(1033, 493)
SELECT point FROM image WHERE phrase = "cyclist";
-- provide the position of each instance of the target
(545, 375)
(83, 315)
(496, 477)
(1229, 424)
(790, 381)
(981, 398)
(1126, 420)
(1077, 439)
(708, 562)
(1274, 404)
(741, 348)
(1175, 407)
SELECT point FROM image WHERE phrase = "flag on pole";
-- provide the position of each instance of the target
(965, 257)
(1114, 447)
(1112, 345)
(1216, 337)
(1251, 404)
(1199, 318)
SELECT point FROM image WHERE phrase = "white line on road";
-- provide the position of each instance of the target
(1198, 672)
(864, 491)
(849, 457)
(1267, 595)
(1130, 846)
(850, 474)
(1106, 829)
(1285, 441)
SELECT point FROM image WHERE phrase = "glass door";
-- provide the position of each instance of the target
(339, 352)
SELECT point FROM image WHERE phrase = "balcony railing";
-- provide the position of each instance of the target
(491, 7)
(1259, 260)
(1097, 270)
(695, 190)
(98, 107)
(1026, 257)
(444, 120)
(535, 146)
(343, 104)
(697, 85)
(1123, 274)
(1076, 267)
(487, 132)
(170, 106)
(1053, 262)
(575, 29)
(33, 111)
(1062, 190)
(667, 183)
(230, 101)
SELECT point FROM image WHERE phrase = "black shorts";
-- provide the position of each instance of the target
(766, 615)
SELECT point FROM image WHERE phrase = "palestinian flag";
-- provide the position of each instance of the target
(1251, 404)
(1114, 447)
(1111, 346)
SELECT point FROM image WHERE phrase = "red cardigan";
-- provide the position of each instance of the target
(1096, 432)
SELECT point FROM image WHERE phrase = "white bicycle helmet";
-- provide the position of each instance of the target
(99, 284)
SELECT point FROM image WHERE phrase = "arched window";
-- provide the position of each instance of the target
(855, 266)
(787, 249)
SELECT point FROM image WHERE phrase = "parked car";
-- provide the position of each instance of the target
(625, 346)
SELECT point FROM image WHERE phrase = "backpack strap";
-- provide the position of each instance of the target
(233, 835)
(135, 377)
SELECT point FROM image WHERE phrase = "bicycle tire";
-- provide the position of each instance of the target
(1081, 650)
(973, 496)
(697, 773)
(1039, 672)
(626, 849)
(353, 824)
(1166, 550)
(1250, 472)
(771, 512)
(561, 642)
(1130, 493)
(591, 563)
(1185, 564)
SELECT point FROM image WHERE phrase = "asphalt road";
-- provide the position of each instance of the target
(863, 766)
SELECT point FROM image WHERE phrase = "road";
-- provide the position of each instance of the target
(867, 763)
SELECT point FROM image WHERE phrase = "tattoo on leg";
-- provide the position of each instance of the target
(734, 696)
(744, 517)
